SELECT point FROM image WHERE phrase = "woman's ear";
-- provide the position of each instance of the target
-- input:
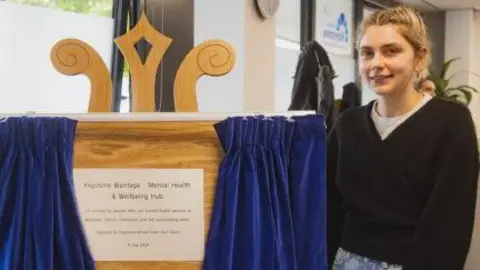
(421, 60)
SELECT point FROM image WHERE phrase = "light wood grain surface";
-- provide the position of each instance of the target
(151, 145)
(73, 57)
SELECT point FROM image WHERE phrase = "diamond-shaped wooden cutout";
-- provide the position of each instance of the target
(143, 74)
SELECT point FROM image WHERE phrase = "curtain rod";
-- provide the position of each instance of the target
(158, 116)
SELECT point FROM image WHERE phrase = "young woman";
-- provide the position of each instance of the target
(402, 170)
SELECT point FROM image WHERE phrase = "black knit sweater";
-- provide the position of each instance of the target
(408, 199)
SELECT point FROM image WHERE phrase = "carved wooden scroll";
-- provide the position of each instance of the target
(143, 75)
(212, 57)
(73, 57)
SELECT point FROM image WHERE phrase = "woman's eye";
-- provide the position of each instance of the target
(391, 51)
(366, 54)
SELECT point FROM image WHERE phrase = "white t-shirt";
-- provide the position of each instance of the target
(385, 125)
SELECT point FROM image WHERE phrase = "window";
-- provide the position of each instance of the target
(287, 50)
(32, 28)
(97, 7)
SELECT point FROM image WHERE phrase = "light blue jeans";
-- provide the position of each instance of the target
(345, 260)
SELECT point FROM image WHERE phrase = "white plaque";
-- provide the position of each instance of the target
(142, 214)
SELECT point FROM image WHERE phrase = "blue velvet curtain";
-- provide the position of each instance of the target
(40, 228)
(270, 204)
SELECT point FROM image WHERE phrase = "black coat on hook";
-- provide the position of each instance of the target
(313, 83)
(351, 97)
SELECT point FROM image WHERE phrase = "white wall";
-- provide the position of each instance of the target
(460, 44)
(288, 21)
(250, 85)
(28, 81)
(475, 80)
(287, 54)
(345, 69)
(287, 51)
(464, 44)
(260, 36)
(476, 62)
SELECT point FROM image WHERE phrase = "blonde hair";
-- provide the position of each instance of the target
(409, 24)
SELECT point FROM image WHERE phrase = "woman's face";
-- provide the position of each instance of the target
(387, 60)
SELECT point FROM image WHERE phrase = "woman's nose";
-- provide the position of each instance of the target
(377, 61)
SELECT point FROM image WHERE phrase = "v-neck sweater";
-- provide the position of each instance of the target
(385, 125)
(408, 199)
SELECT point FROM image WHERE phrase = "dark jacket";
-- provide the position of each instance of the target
(351, 97)
(313, 83)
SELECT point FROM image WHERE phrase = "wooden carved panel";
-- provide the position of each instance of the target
(212, 57)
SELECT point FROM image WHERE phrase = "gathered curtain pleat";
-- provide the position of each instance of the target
(40, 227)
(270, 203)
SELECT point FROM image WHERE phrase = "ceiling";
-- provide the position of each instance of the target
(430, 5)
